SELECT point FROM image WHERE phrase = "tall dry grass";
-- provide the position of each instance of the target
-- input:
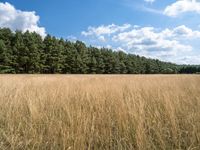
(99, 112)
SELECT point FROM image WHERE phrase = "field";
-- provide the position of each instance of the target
(146, 112)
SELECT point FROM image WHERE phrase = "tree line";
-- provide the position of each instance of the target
(29, 53)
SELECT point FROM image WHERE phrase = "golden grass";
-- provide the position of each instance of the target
(99, 112)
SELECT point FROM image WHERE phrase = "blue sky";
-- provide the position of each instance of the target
(165, 29)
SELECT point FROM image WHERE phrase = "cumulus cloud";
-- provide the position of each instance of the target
(180, 32)
(190, 59)
(166, 44)
(185, 32)
(150, 42)
(182, 6)
(15, 19)
(105, 30)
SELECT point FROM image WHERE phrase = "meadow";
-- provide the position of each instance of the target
(141, 112)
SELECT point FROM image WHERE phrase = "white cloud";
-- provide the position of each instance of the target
(15, 19)
(149, 1)
(72, 38)
(190, 59)
(105, 30)
(152, 10)
(182, 6)
(167, 44)
(102, 38)
(180, 32)
(149, 42)
(120, 49)
(186, 32)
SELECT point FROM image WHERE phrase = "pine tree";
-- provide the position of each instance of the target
(93, 65)
(5, 59)
(20, 53)
(82, 57)
(70, 54)
(34, 46)
(29, 53)
(54, 55)
(6, 37)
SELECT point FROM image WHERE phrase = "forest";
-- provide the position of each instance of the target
(29, 53)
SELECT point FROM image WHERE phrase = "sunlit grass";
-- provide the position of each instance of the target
(99, 112)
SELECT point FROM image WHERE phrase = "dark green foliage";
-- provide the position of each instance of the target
(5, 60)
(29, 53)
(54, 50)
(6, 55)
(190, 69)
